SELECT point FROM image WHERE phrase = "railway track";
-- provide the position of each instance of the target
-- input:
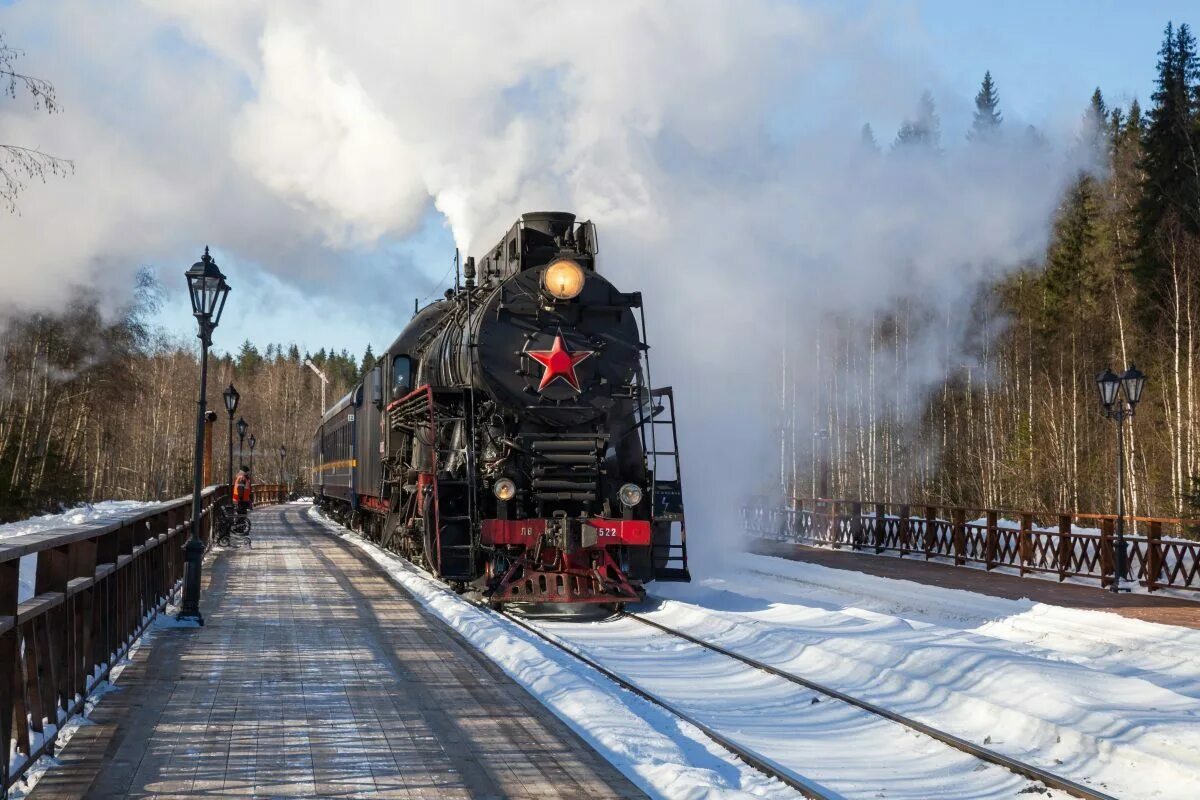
(809, 788)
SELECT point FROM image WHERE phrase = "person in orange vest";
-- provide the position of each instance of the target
(242, 496)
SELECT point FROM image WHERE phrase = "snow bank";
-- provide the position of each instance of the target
(1088, 694)
(97, 512)
(665, 757)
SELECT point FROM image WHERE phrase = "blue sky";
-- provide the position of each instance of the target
(197, 73)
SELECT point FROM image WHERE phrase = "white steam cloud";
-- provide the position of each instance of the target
(714, 143)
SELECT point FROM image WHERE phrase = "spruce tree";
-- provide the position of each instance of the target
(368, 361)
(868, 139)
(923, 133)
(986, 124)
(1170, 144)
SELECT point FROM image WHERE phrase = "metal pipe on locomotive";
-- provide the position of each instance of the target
(509, 438)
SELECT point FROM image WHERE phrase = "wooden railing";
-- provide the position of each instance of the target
(96, 586)
(1030, 542)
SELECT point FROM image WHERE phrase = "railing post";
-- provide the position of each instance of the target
(1065, 542)
(1025, 540)
(880, 527)
(959, 518)
(1107, 557)
(930, 530)
(833, 530)
(905, 533)
(1154, 557)
(856, 524)
(9, 670)
(993, 541)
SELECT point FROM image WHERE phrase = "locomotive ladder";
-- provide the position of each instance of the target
(668, 558)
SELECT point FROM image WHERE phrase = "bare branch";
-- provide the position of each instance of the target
(41, 90)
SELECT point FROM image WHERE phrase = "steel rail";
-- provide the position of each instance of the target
(807, 788)
(983, 753)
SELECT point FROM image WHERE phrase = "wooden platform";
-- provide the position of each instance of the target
(315, 676)
(1148, 607)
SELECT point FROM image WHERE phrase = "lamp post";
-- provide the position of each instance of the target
(282, 455)
(208, 291)
(231, 401)
(252, 441)
(1119, 397)
(242, 427)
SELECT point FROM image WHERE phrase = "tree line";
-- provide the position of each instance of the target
(94, 407)
(1017, 423)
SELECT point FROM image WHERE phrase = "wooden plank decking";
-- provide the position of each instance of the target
(315, 676)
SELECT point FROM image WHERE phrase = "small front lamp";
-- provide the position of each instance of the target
(1133, 381)
(1108, 384)
(231, 399)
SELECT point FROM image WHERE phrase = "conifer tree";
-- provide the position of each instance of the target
(1170, 148)
(368, 361)
(986, 124)
(868, 139)
(923, 133)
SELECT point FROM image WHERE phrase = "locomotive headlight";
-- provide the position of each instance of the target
(563, 279)
(630, 494)
(504, 489)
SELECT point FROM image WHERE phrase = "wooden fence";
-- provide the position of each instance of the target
(96, 586)
(1030, 542)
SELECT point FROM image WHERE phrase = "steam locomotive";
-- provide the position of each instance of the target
(510, 440)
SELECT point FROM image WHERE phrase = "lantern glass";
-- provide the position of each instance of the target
(282, 451)
(1133, 381)
(231, 399)
(252, 441)
(241, 428)
(1108, 384)
(208, 289)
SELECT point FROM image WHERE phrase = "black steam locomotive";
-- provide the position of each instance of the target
(509, 438)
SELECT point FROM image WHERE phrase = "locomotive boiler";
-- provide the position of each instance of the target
(510, 440)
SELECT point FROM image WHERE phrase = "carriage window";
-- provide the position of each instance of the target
(401, 376)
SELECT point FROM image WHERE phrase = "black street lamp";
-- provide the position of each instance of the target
(242, 427)
(282, 455)
(1120, 408)
(208, 291)
(231, 401)
(252, 441)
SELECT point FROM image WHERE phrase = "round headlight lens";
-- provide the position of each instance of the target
(504, 489)
(630, 494)
(563, 279)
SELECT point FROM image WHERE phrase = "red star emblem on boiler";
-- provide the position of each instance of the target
(559, 363)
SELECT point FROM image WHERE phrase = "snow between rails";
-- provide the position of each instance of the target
(664, 756)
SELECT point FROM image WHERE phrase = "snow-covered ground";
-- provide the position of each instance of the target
(98, 512)
(1098, 698)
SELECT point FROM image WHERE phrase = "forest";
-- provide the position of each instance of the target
(1017, 424)
(95, 405)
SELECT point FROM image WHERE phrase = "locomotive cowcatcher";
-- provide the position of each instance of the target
(509, 439)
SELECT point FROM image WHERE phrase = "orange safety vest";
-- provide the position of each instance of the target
(241, 488)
